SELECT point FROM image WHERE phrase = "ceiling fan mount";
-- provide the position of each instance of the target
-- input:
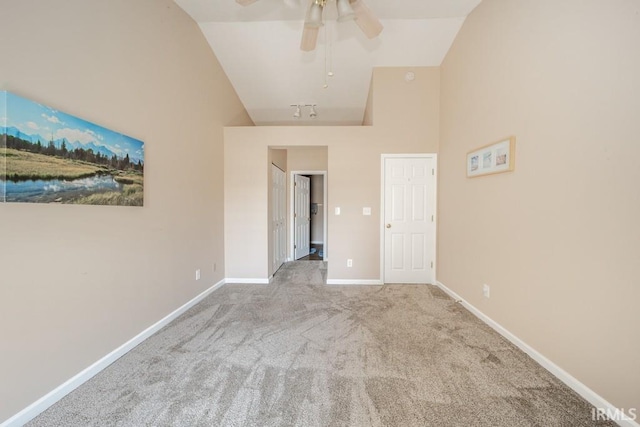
(347, 10)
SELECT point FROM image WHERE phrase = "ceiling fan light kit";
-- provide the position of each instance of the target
(309, 38)
(314, 15)
(348, 10)
(345, 11)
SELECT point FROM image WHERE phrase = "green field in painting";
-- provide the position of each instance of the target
(131, 195)
(23, 165)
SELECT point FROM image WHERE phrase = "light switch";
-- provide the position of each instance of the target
(337, 211)
(366, 211)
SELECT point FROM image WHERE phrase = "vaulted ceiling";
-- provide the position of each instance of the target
(258, 46)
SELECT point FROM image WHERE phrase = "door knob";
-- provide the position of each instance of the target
(388, 225)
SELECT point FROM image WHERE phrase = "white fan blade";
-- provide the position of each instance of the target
(366, 20)
(309, 38)
(245, 2)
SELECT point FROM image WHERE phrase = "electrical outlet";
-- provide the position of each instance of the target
(198, 274)
(337, 211)
(349, 263)
(486, 290)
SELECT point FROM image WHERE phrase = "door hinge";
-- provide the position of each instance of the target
(431, 264)
(295, 215)
(296, 247)
(431, 218)
(433, 172)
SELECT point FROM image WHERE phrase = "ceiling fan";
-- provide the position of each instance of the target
(347, 10)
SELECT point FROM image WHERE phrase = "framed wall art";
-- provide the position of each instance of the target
(493, 158)
(47, 156)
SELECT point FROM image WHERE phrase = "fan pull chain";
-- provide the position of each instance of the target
(326, 30)
(328, 54)
(330, 73)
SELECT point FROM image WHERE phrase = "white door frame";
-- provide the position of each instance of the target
(282, 210)
(383, 157)
(292, 234)
(302, 216)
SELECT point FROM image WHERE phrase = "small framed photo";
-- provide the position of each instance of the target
(493, 158)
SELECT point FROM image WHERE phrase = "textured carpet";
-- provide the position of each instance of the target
(300, 353)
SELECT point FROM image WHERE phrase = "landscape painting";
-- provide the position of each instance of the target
(3, 144)
(47, 156)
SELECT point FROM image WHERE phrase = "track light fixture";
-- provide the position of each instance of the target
(298, 112)
(312, 112)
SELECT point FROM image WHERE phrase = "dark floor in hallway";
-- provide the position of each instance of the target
(316, 253)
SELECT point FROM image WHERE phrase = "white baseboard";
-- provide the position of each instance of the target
(591, 396)
(74, 382)
(247, 281)
(354, 282)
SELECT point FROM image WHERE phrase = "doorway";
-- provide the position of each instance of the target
(408, 220)
(309, 215)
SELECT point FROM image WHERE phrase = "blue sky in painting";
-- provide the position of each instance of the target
(46, 124)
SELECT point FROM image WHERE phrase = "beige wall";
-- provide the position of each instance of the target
(79, 281)
(246, 230)
(407, 111)
(353, 166)
(306, 159)
(279, 158)
(367, 120)
(557, 240)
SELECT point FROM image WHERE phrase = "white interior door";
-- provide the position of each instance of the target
(278, 216)
(409, 227)
(301, 215)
